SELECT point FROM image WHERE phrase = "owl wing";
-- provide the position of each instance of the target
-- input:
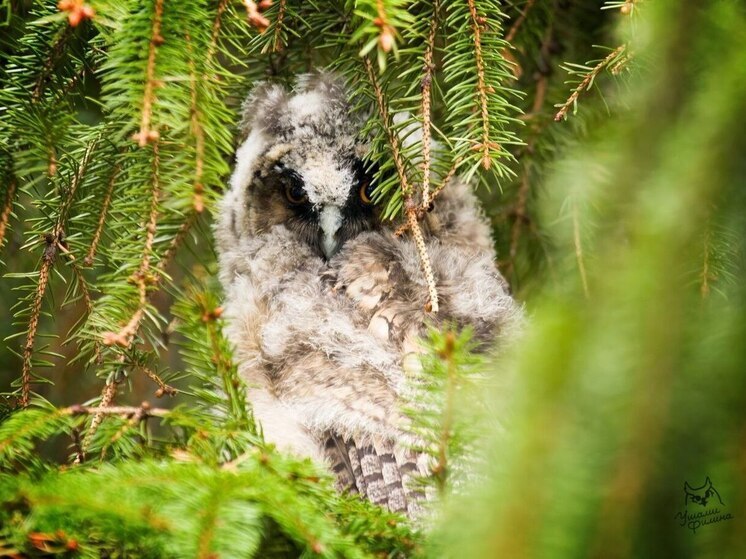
(379, 470)
(381, 273)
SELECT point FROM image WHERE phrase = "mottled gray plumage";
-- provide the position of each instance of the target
(324, 304)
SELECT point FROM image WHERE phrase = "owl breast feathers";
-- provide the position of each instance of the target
(324, 304)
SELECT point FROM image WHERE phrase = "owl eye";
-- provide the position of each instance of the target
(295, 193)
(366, 190)
(366, 186)
(292, 184)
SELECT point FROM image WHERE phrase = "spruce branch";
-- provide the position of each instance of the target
(142, 278)
(426, 105)
(88, 260)
(215, 33)
(197, 131)
(163, 388)
(142, 411)
(448, 376)
(479, 113)
(10, 195)
(107, 397)
(223, 362)
(52, 241)
(520, 216)
(625, 7)
(421, 210)
(145, 134)
(279, 20)
(520, 210)
(256, 18)
(57, 50)
(176, 242)
(615, 59)
(78, 273)
(50, 251)
(487, 145)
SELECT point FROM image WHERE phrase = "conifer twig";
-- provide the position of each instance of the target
(427, 82)
(64, 249)
(107, 397)
(277, 38)
(57, 49)
(142, 278)
(88, 260)
(198, 202)
(386, 38)
(587, 82)
(163, 388)
(410, 207)
(50, 251)
(520, 216)
(175, 243)
(133, 325)
(144, 410)
(216, 24)
(486, 145)
(51, 243)
(10, 195)
(146, 134)
(421, 210)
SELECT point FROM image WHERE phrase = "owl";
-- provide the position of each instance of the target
(324, 303)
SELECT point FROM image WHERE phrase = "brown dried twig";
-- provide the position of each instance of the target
(144, 410)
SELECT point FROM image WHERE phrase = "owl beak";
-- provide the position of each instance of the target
(330, 220)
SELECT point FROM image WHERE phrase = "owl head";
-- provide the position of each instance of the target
(302, 166)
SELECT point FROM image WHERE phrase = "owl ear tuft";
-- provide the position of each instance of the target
(261, 108)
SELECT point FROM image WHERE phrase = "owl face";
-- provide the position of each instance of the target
(302, 166)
